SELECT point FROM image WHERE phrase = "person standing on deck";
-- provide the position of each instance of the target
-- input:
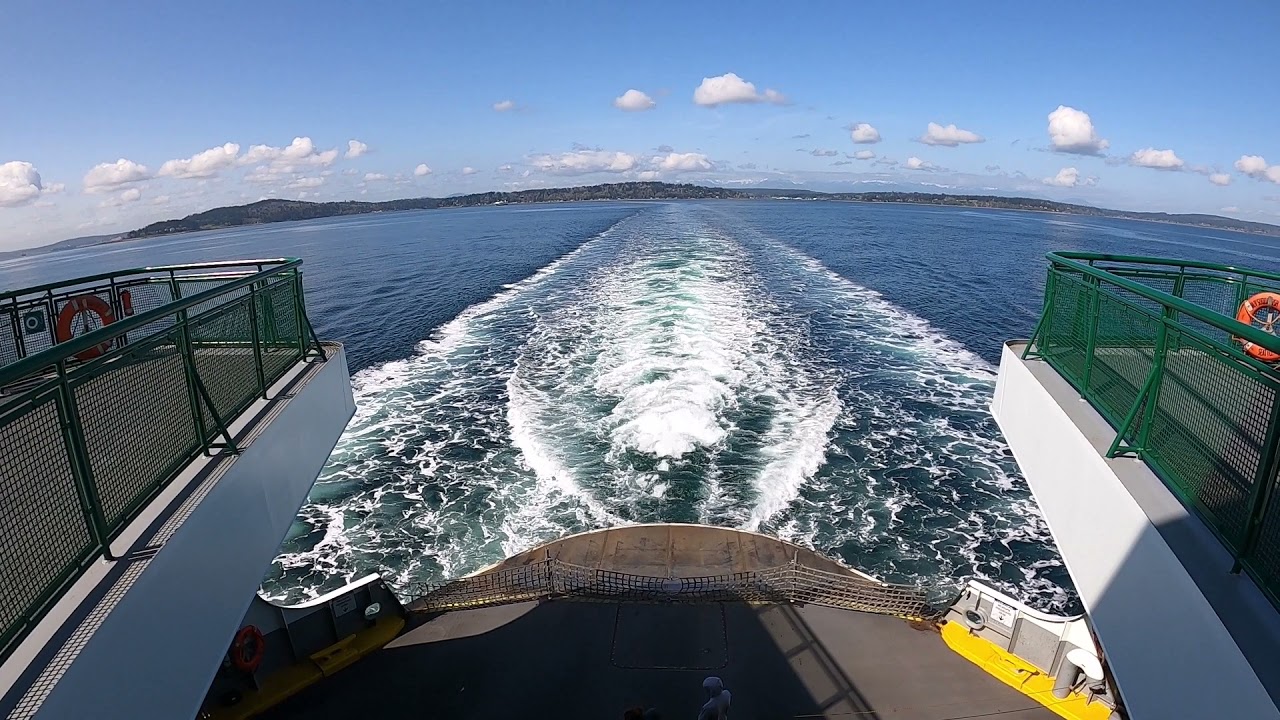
(717, 705)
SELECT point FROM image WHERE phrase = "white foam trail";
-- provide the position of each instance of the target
(415, 420)
(675, 371)
(642, 378)
(794, 449)
(676, 336)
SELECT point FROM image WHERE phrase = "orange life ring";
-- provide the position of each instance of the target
(1263, 312)
(82, 305)
(248, 648)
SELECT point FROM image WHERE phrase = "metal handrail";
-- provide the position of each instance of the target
(51, 356)
(1217, 444)
(1147, 260)
(9, 294)
(62, 457)
(1230, 324)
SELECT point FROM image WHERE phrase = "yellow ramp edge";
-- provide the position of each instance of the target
(1020, 675)
(291, 680)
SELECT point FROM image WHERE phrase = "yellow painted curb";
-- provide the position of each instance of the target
(289, 681)
(1020, 675)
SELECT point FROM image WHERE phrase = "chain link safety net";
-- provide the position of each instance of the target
(1178, 388)
(553, 578)
(90, 438)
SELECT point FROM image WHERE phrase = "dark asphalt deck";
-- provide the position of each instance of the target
(577, 659)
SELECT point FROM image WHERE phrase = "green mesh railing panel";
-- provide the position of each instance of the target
(281, 342)
(137, 424)
(222, 343)
(1123, 351)
(42, 524)
(1265, 560)
(89, 441)
(1173, 381)
(1067, 317)
(1207, 432)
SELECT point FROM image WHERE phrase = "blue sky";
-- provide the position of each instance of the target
(1170, 106)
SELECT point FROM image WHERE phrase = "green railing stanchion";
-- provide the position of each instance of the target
(1119, 445)
(96, 434)
(81, 467)
(1091, 333)
(1049, 285)
(1158, 358)
(183, 343)
(1190, 402)
(299, 325)
(257, 341)
(1263, 488)
(202, 394)
(19, 342)
(305, 329)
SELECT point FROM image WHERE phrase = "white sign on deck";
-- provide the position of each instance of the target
(344, 605)
(1002, 613)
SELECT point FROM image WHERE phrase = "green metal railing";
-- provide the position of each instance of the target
(93, 426)
(1153, 345)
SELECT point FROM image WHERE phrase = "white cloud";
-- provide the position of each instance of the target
(647, 175)
(259, 154)
(202, 164)
(355, 149)
(505, 168)
(1231, 209)
(1255, 166)
(160, 200)
(1156, 159)
(682, 162)
(130, 195)
(1072, 131)
(863, 155)
(1066, 177)
(864, 134)
(948, 136)
(819, 152)
(306, 182)
(261, 175)
(634, 101)
(729, 88)
(1220, 178)
(504, 105)
(19, 183)
(374, 177)
(915, 163)
(109, 176)
(468, 170)
(421, 170)
(583, 162)
(301, 152)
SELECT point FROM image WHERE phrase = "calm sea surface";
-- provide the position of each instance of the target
(815, 370)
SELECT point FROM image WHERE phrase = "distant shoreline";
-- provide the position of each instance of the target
(267, 211)
(272, 211)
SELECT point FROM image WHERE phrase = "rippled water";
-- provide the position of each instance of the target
(819, 371)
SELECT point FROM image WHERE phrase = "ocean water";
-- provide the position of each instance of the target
(819, 371)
